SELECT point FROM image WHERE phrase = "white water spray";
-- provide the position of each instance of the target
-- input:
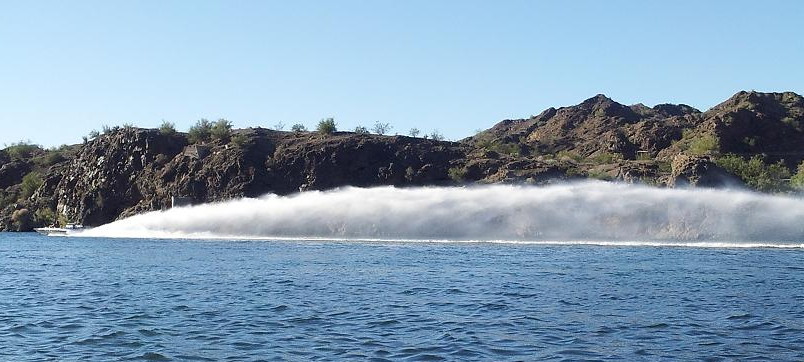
(590, 211)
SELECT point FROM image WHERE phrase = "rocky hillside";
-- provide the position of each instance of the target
(753, 139)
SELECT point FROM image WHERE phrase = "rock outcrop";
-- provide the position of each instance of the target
(131, 170)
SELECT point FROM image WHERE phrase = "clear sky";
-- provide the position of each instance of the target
(67, 67)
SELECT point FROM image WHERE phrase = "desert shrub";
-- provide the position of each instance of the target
(436, 136)
(797, 180)
(570, 155)
(221, 130)
(200, 132)
(94, 134)
(361, 130)
(239, 140)
(22, 149)
(664, 166)
(279, 126)
(414, 132)
(457, 174)
(298, 127)
(381, 128)
(501, 148)
(756, 173)
(703, 144)
(327, 126)
(45, 216)
(50, 159)
(30, 183)
(167, 128)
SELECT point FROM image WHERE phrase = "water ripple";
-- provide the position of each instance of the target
(152, 300)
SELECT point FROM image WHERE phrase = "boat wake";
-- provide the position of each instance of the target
(589, 213)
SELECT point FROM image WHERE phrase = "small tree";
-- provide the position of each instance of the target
(298, 127)
(381, 128)
(414, 132)
(361, 130)
(327, 126)
(221, 130)
(167, 128)
(200, 132)
(279, 126)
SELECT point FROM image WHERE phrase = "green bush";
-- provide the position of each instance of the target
(221, 130)
(797, 180)
(45, 216)
(703, 145)
(457, 174)
(756, 173)
(298, 127)
(167, 128)
(327, 126)
(200, 132)
(239, 140)
(30, 183)
(361, 130)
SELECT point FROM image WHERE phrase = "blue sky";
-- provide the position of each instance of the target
(67, 67)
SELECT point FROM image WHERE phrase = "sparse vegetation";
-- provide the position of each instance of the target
(167, 128)
(22, 149)
(756, 173)
(436, 135)
(699, 144)
(361, 130)
(221, 130)
(457, 174)
(327, 126)
(298, 127)
(239, 140)
(381, 128)
(601, 158)
(500, 147)
(45, 216)
(30, 183)
(797, 181)
(279, 126)
(569, 155)
(414, 132)
(200, 132)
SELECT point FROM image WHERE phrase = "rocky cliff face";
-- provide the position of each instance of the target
(134, 170)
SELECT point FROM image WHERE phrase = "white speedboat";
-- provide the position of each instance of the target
(66, 230)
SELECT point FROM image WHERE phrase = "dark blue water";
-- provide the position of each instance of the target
(117, 299)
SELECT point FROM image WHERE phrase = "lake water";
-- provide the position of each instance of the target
(150, 299)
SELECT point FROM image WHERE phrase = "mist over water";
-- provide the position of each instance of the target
(596, 212)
